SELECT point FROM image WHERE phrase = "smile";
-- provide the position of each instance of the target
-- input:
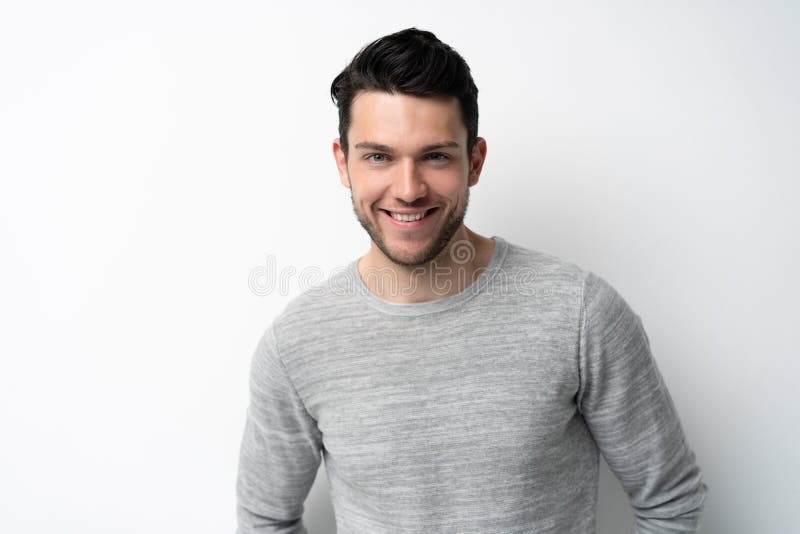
(408, 217)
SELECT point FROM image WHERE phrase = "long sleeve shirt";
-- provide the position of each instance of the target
(481, 412)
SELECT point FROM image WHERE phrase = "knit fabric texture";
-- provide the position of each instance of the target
(480, 412)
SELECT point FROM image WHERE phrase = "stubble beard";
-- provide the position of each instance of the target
(451, 225)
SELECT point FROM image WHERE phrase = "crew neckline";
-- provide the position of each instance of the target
(432, 306)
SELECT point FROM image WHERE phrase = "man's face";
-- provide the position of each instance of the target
(409, 172)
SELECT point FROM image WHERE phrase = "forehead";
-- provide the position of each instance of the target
(394, 119)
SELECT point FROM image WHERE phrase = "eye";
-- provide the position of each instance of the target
(376, 158)
(437, 156)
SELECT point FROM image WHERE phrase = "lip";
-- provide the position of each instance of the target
(409, 224)
(407, 211)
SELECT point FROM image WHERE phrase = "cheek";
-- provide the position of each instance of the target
(369, 185)
(364, 194)
(452, 186)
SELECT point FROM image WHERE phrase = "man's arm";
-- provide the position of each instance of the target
(280, 451)
(632, 417)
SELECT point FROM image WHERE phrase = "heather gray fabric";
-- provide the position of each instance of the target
(483, 412)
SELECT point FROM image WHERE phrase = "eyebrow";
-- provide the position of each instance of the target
(368, 145)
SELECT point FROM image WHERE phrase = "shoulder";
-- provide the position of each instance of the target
(558, 283)
(318, 312)
(606, 315)
(529, 271)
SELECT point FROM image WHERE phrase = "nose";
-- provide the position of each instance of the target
(409, 184)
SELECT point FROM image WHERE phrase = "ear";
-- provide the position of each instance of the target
(476, 160)
(341, 162)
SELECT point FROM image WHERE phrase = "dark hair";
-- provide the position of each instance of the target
(412, 62)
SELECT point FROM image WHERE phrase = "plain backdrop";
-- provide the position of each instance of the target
(160, 161)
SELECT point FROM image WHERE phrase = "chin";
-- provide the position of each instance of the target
(415, 257)
(420, 253)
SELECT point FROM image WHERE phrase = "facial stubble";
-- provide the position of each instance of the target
(451, 225)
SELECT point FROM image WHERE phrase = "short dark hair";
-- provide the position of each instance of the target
(411, 62)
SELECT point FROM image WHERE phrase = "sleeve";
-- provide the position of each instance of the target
(280, 449)
(631, 416)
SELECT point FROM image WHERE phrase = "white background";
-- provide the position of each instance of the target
(155, 154)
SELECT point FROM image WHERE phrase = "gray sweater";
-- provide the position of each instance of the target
(482, 412)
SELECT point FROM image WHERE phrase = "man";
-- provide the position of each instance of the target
(452, 382)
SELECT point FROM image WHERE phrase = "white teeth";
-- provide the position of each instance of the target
(408, 218)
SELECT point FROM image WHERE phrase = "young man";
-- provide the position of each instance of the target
(452, 382)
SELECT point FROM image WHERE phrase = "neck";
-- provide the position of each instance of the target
(456, 267)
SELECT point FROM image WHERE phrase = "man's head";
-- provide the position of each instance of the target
(408, 148)
(411, 62)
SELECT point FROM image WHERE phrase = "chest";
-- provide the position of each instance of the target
(429, 400)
